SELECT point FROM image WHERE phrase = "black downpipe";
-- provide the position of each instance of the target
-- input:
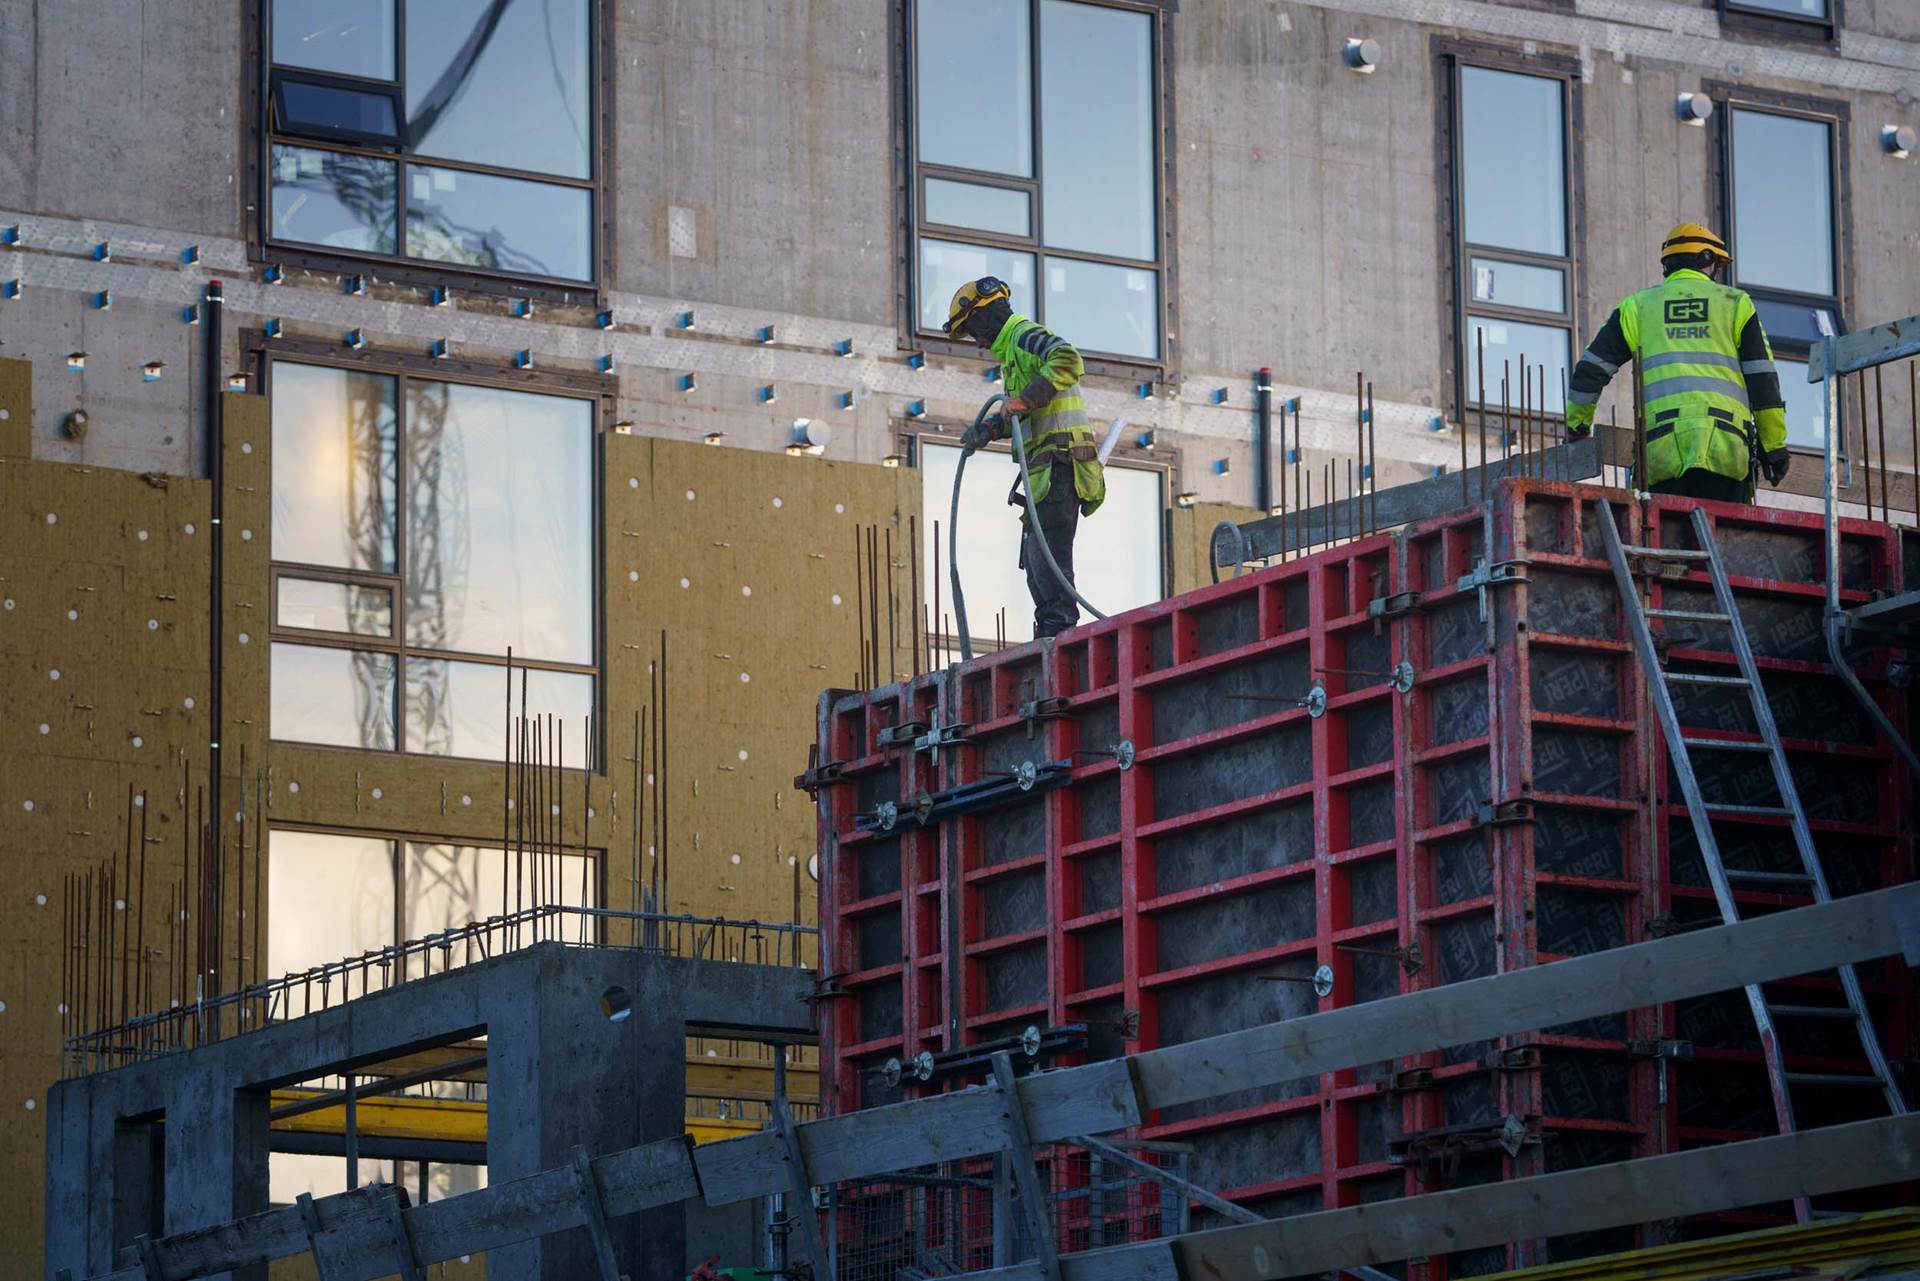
(216, 472)
(1263, 441)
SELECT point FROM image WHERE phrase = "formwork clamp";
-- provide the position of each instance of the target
(1505, 813)
(1500, 573)
(1661, 1049)
(899, 735)
(1393, 606)
(818, 774)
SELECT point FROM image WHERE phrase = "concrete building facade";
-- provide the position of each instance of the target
(583, 237)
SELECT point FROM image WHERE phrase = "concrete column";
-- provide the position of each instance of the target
(79, 1222)
(216, 1152)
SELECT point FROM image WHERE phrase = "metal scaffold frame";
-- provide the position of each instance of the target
(367, 1232)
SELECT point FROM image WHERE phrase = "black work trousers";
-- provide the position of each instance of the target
(1054, 609)
(1698, 482)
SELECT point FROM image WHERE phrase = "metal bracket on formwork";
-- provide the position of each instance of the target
(149, 1258)
(409, 1268)
(1661, 1049)
(1033, 1041)
(1408, 1080)
(1321, 979)
(939, 736)
(1502, 573)
(1381, 607)
(919, 1067)
(1409, 956)
(899, 735)
(800, 1211)
(1512, 1058)
(1315, 702)
(1026, 1178)
(816, 775)
(1506, 812)
(1445, 1145)
(593, 1213)
(1121, 753)
(827, 988)
(1035, 710)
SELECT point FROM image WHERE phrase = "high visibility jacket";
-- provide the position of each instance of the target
(1044, 370)
(1706, 375)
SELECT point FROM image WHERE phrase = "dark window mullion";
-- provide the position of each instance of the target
(1037, 69)
(401, 536)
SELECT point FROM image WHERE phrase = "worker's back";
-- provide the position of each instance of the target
(1685, 332)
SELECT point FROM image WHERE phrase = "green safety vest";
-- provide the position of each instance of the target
(1058, 430)
(1686, 333)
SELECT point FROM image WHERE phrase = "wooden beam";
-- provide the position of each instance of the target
(1755, 1172)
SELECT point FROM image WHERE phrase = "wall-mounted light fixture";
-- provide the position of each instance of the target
(1362, 55)
(1693, 108)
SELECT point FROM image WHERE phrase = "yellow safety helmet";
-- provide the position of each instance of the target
(970, 298)
(1692, 238)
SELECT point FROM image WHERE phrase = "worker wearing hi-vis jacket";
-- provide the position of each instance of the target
(1042, 374)
(1712, 396)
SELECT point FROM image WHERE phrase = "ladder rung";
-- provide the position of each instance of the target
(1833, 1078)
(1799, 878)
(1690, 615)
(1772, 811)
(1664, 553)
(1838, 1012)
(1701, 678)
(1728, 744)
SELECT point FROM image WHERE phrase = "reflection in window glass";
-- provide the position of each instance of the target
(291, 1173)
(974, 94)
(1806, 405)
(319, 606)
(1116, 554)
(1783, 202)
(1096, 126)
(500, 540)
(473, 65)
(459, 709)
(506, 224)
(329, 111)
(970, 204)
(351, 37)
(1099, 307)
(452, 885)
(1512, 161)
(338, 697)
(333, 199)
(1787, 8)
(1513, 284)
(333, 459)
(445, 1180)
(945, 266)
(1509, 343)
(328, 896)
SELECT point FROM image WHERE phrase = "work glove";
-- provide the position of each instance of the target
(1773, 465)
(977, 436)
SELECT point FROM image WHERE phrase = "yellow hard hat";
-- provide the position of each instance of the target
(970, 298)
(1693, 238)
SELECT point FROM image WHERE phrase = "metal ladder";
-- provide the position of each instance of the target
(1702, 812)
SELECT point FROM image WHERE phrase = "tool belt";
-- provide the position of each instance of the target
(1048, 454)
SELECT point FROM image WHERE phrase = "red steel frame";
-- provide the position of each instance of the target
(1544, 532)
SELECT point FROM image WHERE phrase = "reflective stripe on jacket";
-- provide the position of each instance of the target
(1044, 370)
(1706, 374)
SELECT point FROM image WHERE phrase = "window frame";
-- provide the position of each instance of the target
(1166, 464)
(259, 89)
(1738, 17)
(402, 366)
(1457, 306)
(911, 173)
(1836, 115)
(397, 839)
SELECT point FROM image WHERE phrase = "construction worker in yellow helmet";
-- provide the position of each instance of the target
(1042, 374)
(1712, 397)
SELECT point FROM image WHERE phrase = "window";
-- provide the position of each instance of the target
(421, 529)
(331, 896)
(445, 131)
(1035, 159)
(1803, 19)
(1117, 554)
(1783, 228)
(1514, 241)
(291, 1173)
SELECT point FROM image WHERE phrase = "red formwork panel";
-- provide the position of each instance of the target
(1507, 808)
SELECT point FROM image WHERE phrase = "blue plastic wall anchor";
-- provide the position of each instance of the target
(273, 329)
(190, 255)
(190, 314)
(11, 289)
(355, 285)
(1293, 456)
(103, 252)
(11, 236)
(1440, 470)
(683, 321)
(356, 339)
(1366, 415)
(917, 360)
(1144, 391)
(1144, 440)
(1439, 423)
(687, 382)
(768, 395)
(846, 400)
(150, 372)
(1366, 471)
(438, 296)
(1219, 395)
(103, 299)
(523, 308)
(764, 333)
(523, 359)
(917, 409)
(274, 273)
(844, 347)
(607, 363)
(437, 349)
(76, 360)
(604, 320)
(1293, 404)
(1222, 466)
